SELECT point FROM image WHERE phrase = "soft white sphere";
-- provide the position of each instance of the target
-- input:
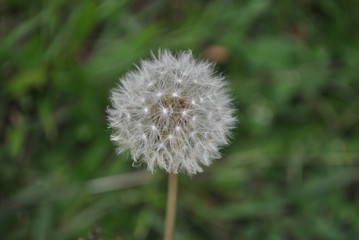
(172, 112)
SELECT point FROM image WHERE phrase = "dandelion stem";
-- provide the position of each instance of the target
(171, 206)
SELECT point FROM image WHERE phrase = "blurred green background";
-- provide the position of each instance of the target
(290, 173)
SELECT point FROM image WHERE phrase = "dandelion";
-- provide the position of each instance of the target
(173, 113)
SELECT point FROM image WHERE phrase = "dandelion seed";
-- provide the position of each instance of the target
(180, 131)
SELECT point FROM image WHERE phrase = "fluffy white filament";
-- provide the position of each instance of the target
(172, 112)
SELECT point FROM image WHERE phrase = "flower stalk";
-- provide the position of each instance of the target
(171, 206)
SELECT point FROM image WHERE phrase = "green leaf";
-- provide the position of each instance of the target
(26, 80)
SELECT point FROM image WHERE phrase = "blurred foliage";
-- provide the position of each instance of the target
(290, 173)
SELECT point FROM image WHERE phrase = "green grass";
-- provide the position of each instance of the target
(291, 171)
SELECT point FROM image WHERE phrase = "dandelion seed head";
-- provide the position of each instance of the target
(172, 112)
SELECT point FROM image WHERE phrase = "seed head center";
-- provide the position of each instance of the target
(169, 113)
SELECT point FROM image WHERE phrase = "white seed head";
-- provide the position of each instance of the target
(176, 127)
